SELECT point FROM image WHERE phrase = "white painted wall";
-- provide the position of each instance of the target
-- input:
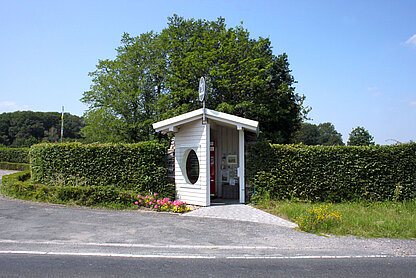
(193, 135)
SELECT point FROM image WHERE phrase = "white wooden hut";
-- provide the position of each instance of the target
(209, 154)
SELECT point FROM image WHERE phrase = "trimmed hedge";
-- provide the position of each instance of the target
(14, 155)
(18, 185)
(139, 167)
(14, 166)
(333, 173)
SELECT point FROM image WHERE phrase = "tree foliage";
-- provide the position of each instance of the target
(123, 97)
(359, 136)
(328, 136)
(322, 134)
(25, 128)
(155, 76)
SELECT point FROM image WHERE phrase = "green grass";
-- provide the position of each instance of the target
(362, 219)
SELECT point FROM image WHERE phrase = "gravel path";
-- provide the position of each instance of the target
(240, 212)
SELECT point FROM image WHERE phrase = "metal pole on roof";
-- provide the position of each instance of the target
(204, 121)
(202, 97)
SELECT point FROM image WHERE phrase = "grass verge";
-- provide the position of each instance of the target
(362, 219)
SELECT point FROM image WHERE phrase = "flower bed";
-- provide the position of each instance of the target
(153, 202)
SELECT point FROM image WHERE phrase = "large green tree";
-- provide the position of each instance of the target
(308, 134)
(328, 136)
(359, 136)
(322, 134)
(155, 76)
(123, 98)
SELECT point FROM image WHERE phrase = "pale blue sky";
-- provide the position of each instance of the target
(355, 61)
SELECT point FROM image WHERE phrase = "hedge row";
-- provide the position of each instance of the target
(139, 167)
(14, 166)
(333, 173)
(14, 155)
(18, 185)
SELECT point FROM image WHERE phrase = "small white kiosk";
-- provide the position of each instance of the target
(209, 154)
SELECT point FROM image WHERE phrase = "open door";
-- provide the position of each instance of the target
(212, 169)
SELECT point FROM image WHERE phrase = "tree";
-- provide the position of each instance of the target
(122, 99)
(155, 76)
(102, 126)
(359, 136)
(308, 134)
(322, 134)
(25, 128)
(328, 136)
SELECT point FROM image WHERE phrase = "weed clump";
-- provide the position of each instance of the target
(319, 218)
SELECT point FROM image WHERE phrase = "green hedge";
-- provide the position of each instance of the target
(333, 173)
(14, 166)
(19, 185)
(14, 155)
(139, 167)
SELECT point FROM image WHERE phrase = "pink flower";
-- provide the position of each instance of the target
(140, 201)
(147, 196)
(136, 203)
(155, 206)
(139, 196)
(155, 194)
(150, 202)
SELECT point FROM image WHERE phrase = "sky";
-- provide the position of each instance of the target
(355, 61)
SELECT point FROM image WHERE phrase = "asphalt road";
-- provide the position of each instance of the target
(26, 226)
(92, 266)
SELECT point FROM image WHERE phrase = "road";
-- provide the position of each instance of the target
(26, 226)
(94, 266)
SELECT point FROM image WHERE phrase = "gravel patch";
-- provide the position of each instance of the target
(240, 212)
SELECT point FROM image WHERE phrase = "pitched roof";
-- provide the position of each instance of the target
(171, 125)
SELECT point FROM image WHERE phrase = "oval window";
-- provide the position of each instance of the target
(192, 167)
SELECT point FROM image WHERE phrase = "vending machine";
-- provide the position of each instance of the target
(212, 168)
